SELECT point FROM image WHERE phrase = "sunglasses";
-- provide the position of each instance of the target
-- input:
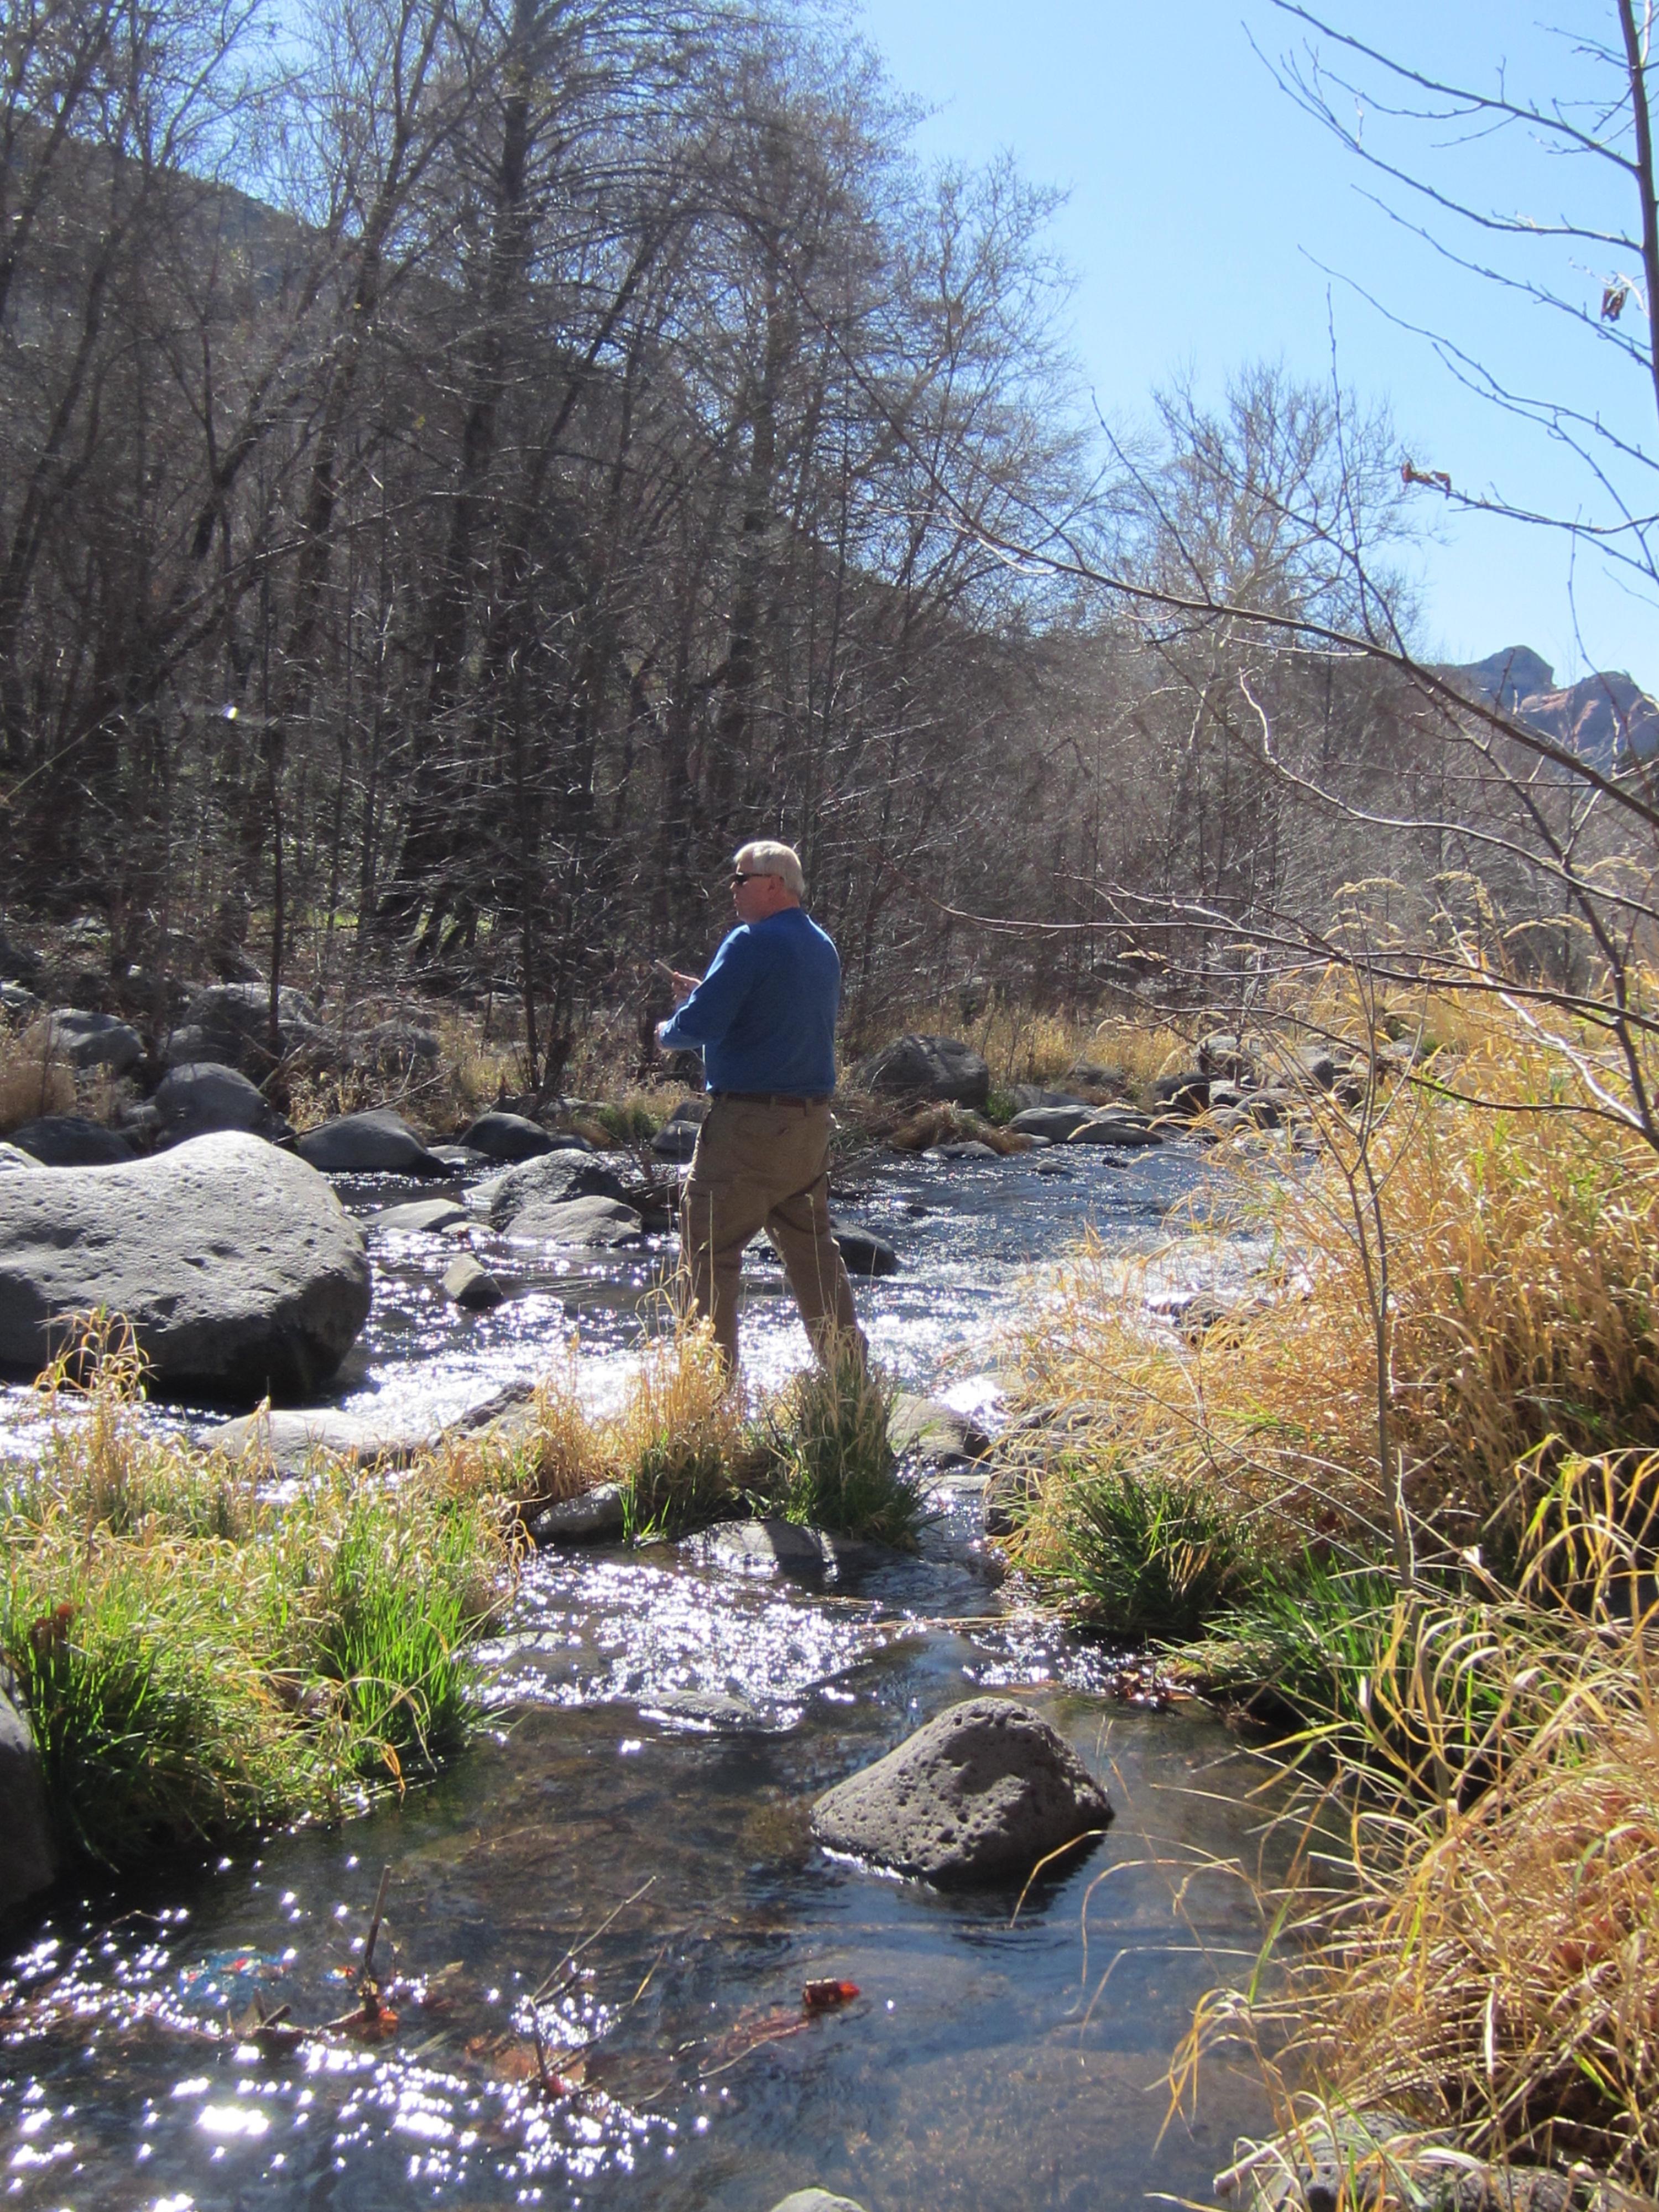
(747, 876)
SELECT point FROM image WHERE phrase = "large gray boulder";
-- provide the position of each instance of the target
(202, 1097)
(1113, 1127)
(1054, 1122)
(927, 1068)
(85, 1041)
(28, 1861)
(70, 1141)
(19, 964)
(230, 1022)
(503, 1136)
(379, 1142)
(552, 1180)
(588, 1224)
(981, 1794)
(14, 1156)
(237, 1266)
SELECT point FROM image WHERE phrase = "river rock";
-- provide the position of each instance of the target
(294, 1439)
(981, 1794)
(816, 2200)
(552, 1180)
(776, 1546)
(421, 1216)
(14, 1156)
(1113, 1128)
(502, 1136)
(29, 1862)
(966, 1148)
(1224, 1053)
(19, 964)
(1054, 1122)
(1187, 1093)
(230, 1023)
(85, 1041)
(395, 1051)
(865, 1254)
(471, 1285)
(1026, 1096)
(588, 1224)
(21, 1005)
(676, 1140)
(201, 1096)
(932, 1429)
(70, 1141)
(379, 1142)
(237, 1266)
(588, 1517)
(1384, 2162)
(927, 1068)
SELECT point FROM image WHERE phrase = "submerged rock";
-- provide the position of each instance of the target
(783, 1547)
(28, 1863)
(981, 1794)
(237, 1266)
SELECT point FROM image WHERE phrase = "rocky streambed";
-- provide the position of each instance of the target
(600, 1924)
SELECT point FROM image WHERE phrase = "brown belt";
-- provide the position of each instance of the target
(770, 1098)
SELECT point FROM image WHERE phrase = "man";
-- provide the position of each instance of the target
(764, 1016)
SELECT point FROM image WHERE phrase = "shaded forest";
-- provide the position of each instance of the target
(465, 466)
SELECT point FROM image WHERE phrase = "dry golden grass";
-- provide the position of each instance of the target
(31, 1084)
(1522, 1317)
(1488, 1960)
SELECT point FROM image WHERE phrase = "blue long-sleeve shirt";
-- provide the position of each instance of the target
(764, 1015)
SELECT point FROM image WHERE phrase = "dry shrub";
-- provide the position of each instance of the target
(1505, 1977)
(1487, 1960)
(679, 1443)
(551, 1449)
(31, 1084)
(1521, 1244)
(920, 1127)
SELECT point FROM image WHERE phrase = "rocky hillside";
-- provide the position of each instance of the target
(1608, 719)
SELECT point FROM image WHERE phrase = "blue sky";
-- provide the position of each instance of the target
(1201, 203)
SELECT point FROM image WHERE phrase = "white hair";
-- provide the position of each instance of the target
(764, 856)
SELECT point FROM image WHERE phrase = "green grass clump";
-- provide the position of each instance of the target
(833, 1463)
(1142, 1554)
(199, 1661)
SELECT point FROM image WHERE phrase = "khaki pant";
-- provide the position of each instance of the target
(765, 1166)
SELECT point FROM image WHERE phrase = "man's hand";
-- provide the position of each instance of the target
(683, 985)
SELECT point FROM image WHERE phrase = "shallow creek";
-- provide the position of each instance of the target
(629, 1838)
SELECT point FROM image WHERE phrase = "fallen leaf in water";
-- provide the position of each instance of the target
(822, 1996)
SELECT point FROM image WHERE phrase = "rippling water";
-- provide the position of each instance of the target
(623, 1864)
